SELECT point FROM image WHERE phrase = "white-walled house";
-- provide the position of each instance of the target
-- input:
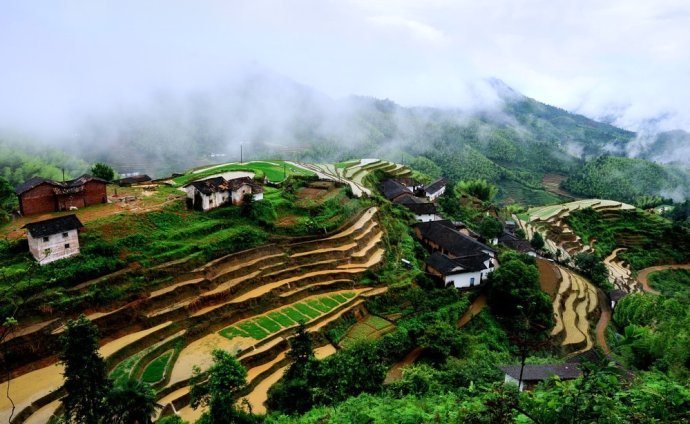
(533, 374)
(214, 192)
(424, 212)
(435, 190)
(463, 272)
(54, 239)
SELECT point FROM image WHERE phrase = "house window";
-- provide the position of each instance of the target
(66, 245)
(64, 235)
(46, 238)
(471, 281)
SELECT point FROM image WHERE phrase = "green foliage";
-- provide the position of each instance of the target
(490, 227)
(218, 387)
(103, 170)
(8, 200)
(515, 296)
(594, 269)
(480, 189)
(672, 283)
(86, 384)
(648, 239)
(537, 241)
(426, 166)
(625, 179)
(132, 402)
(155, 371)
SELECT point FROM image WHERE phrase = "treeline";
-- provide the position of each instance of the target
(21, 160)
(628, 180)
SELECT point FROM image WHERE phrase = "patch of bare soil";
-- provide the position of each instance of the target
(549, 277)
(551, 183)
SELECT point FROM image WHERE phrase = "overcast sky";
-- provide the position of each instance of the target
(61, 59)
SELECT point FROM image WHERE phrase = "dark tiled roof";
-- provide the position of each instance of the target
(435, 186)
(446, 265)
(80, 181)
(71, 184)
(617, 295)
(514, 242)
(421, 208)
(53, 226)
(210, 185)
(407, 199)
(542, 372)
(443, 234)
(392, 189)
(33, 182)
(236, 183)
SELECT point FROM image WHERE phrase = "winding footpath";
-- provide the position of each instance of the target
(643, 276)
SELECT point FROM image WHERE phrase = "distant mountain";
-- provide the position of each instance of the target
(512, 140)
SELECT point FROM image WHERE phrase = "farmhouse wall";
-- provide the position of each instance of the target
(94, 193)
(39, 199)
(57, 246)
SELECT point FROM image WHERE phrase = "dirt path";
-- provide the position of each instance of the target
(604, 320)
(475, 308)
(643, 276)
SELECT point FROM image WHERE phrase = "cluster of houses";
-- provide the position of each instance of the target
(58, 238)
(416, 197)
(215, 192)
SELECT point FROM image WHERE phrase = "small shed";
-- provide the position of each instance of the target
(435, 189)
(54, 239)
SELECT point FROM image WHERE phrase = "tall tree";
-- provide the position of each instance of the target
(103, 170)
(132, 403)
(86, 382)
(217, 389)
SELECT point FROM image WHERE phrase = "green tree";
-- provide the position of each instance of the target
(481, 189)
(490, 227)
(293, 393)
(8, 200)
(593, 268)
(247, 204)
(133, 402)
(537, 241)
(217, 389)
(103, 170)
(86, 384)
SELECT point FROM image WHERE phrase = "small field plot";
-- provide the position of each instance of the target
(272, 322)
(371, 328)
(275, 171)
(155, 371)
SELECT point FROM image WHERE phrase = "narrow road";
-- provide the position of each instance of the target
(604, 320)
(643, 276)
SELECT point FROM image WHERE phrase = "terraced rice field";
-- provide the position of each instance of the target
(370, 328)
(247, 303)
(550, 222)
(575, 303)
(354, 172)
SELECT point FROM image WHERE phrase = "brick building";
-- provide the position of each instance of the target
(40, 195)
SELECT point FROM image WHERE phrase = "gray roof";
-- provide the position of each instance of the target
(447, 265)
(542, 372)
(445, 235)
(53, 226)
(210, 185)
(36, 181)
(421, 208)
(435, 186)
(31, 183)
(392, 189)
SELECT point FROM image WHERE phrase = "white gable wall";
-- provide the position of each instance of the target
(427, 217)
(57, 246)
(433, 196)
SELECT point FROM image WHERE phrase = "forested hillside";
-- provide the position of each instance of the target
(515, 143)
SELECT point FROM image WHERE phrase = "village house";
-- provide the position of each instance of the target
(392, 190)
(535, 374)
(463, 272)
(435, 190)
(516, 243)
(214, 192)
(616, 295)
(442, 236)
(424, 212)
(40, 195)
(54, 239)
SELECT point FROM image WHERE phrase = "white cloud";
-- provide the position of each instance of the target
(61, 59)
